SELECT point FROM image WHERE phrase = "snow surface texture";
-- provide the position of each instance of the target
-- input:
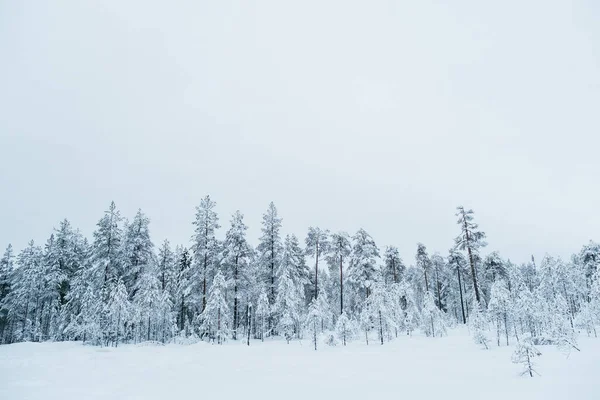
(451, 367)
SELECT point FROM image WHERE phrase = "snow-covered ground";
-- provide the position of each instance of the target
(451, 367)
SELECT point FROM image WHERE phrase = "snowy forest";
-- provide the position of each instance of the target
(119, 287)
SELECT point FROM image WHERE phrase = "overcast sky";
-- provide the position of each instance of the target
(384, 115)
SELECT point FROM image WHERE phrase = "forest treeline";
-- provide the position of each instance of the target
(117, 287)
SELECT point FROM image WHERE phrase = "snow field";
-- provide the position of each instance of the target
(451, 367)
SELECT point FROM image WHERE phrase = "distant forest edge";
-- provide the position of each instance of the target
(116, 288)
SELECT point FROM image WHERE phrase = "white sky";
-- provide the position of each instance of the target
(377, 114)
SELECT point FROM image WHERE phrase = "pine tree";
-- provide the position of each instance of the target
(205, 244)
(270, 249)
(470, 239)
(394, 267)
(456, 261)
(237, 253)
(440, 284)
(340, 251)
(423, 262)
(317, 245)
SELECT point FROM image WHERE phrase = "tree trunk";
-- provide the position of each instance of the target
(380, 327)
(204, 284)
(235, 299)
(462, 304)
(248, 323)
(317, 271)
(219, 325)
(506, 327)
(341, 286)
(473, 274)
(437, 287)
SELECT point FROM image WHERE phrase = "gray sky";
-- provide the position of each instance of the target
(381, 114)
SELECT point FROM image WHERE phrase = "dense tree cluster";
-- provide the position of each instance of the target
(118, 287)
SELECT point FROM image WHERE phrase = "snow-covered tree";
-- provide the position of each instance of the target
(237, 254)
(205, 245)
(106, 256)
(6, 271)
(344, 328)
(340, 250)
(292, 275)
(270, 249)
(524, 354)
(478, 325)
(457, 263)
(423, 263)
(24, 300)
(138, 251)
(313, 320)
(182, 289)
(378, 311)
(432, 318)
(152, 308)
(166, 264)
(363, 266)
(216, 318)
(394, 268)
(499, 308)
(117, 314)
(263, 313)
(317, 246)
(471, 240)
